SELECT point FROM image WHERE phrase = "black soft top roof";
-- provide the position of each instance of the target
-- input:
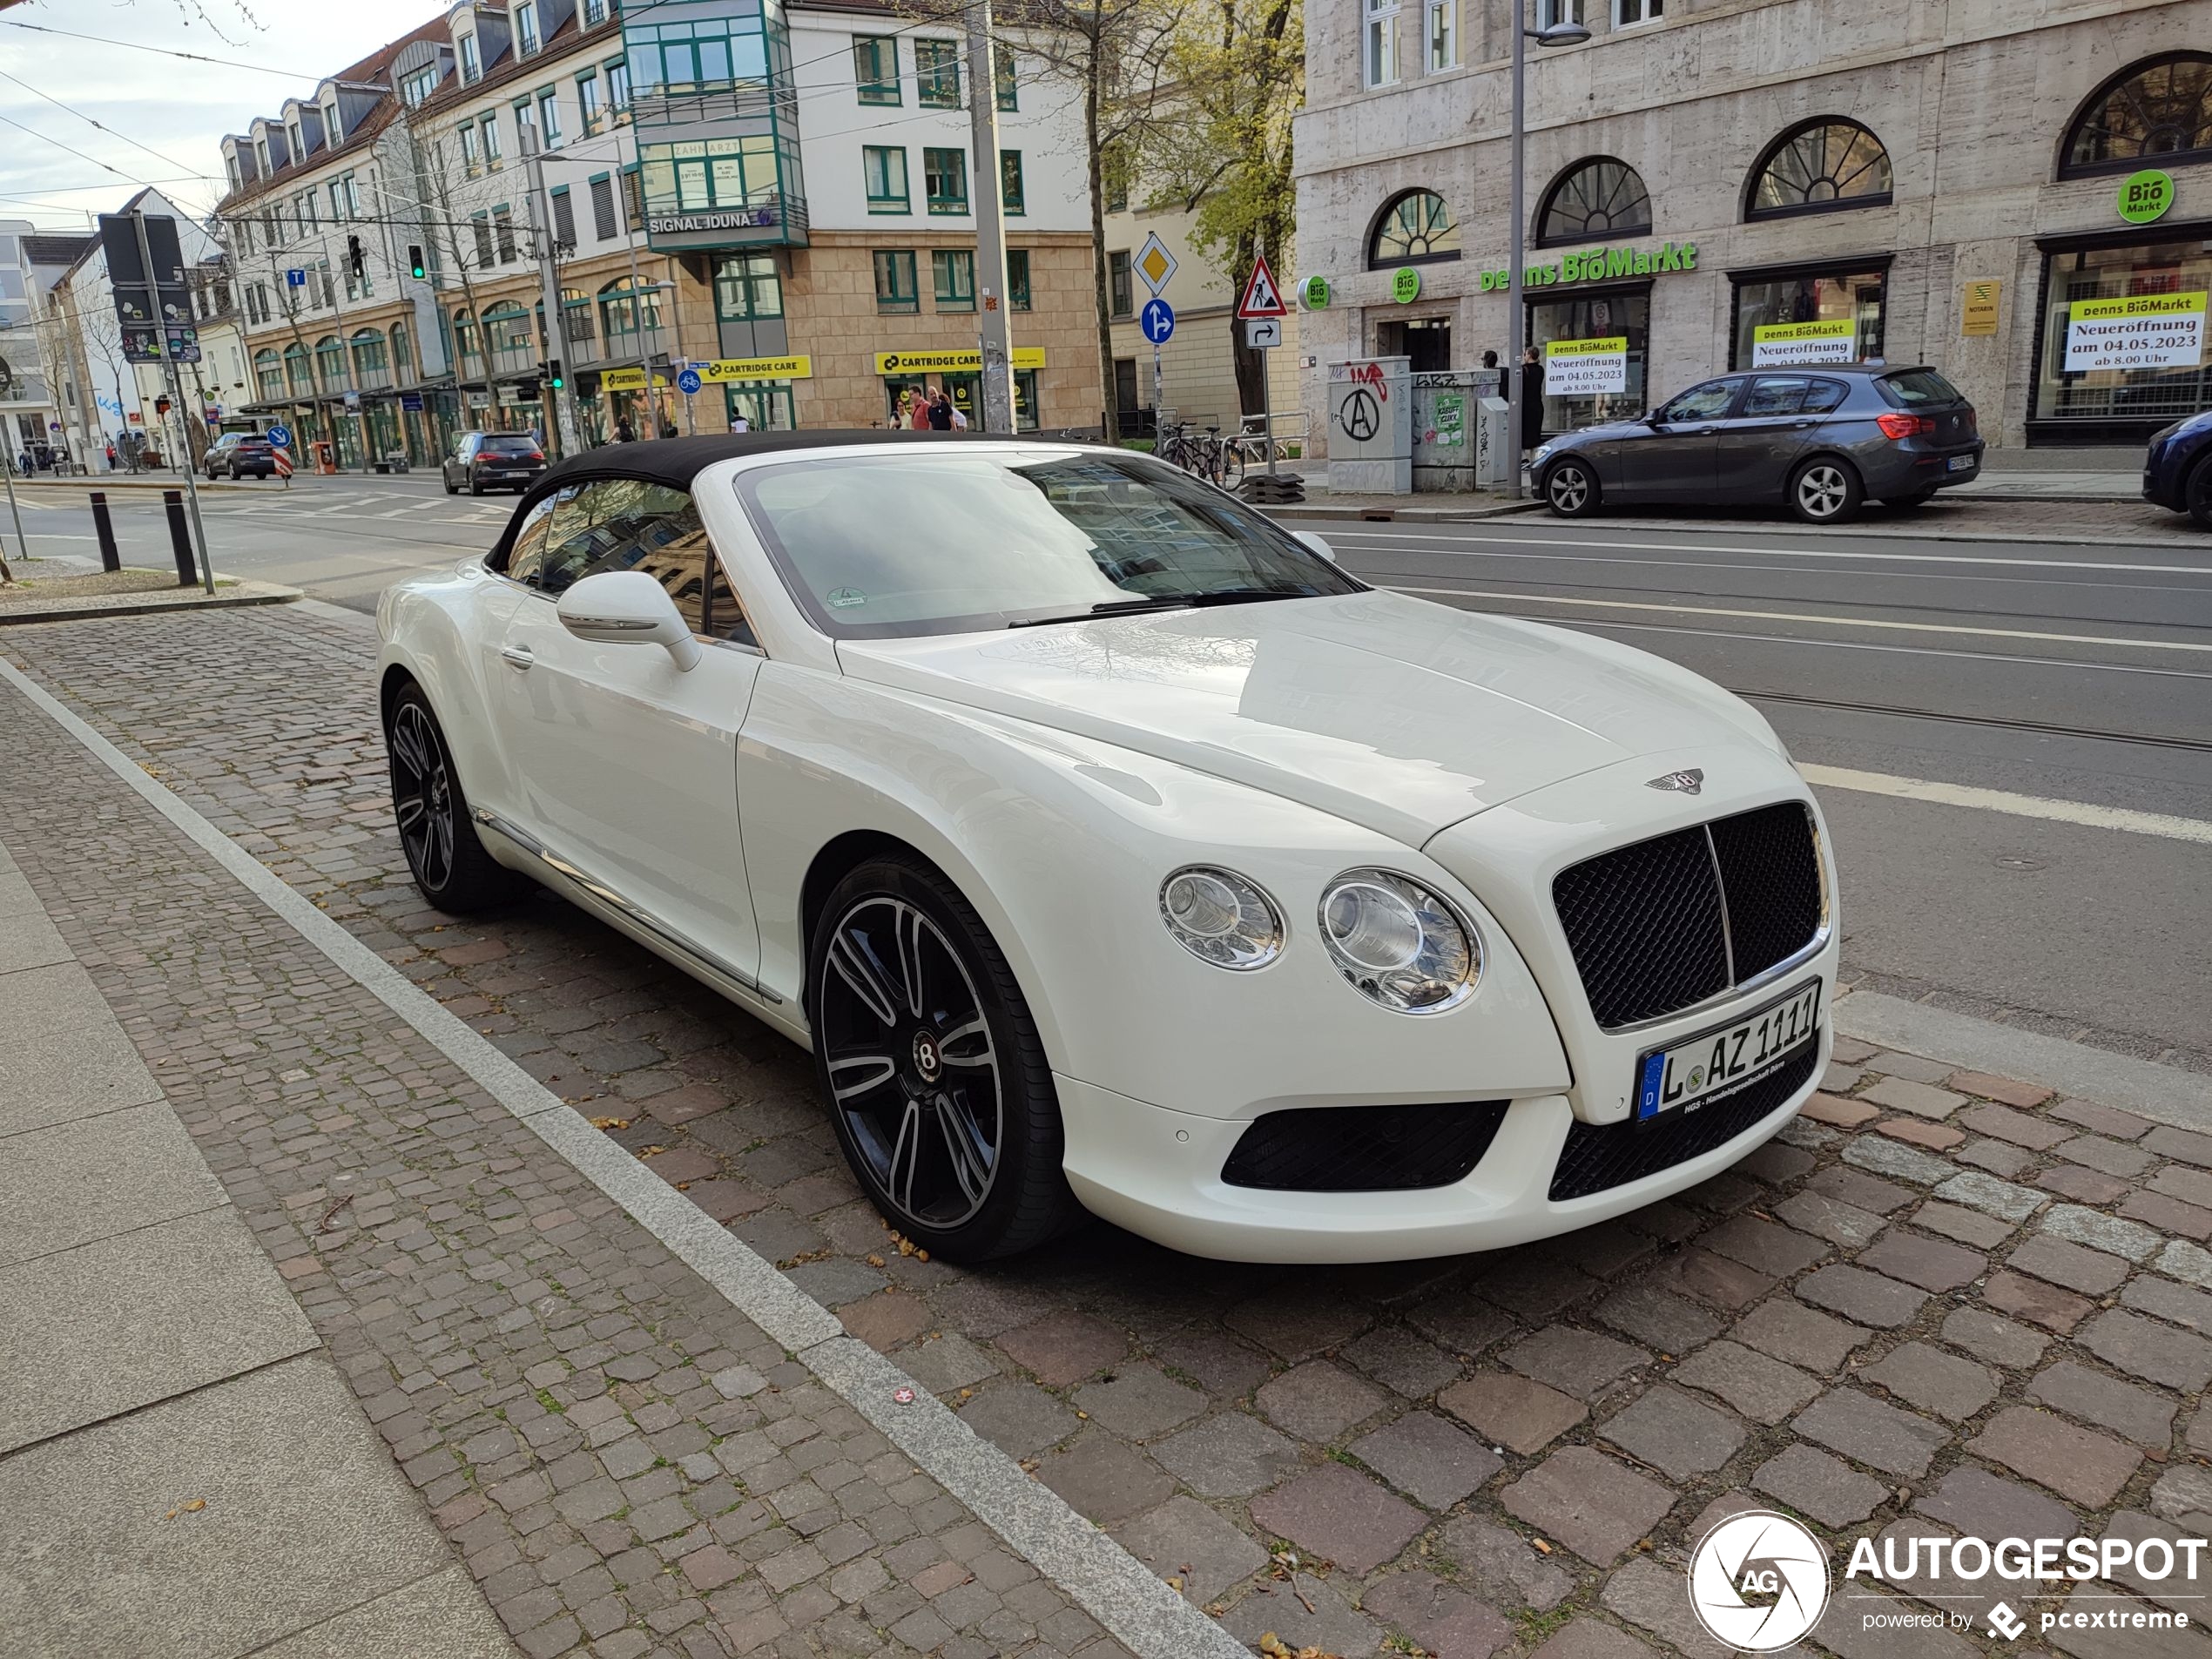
(675, 462)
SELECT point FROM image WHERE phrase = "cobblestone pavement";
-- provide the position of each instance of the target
(1941, 1301)
(627, 1466)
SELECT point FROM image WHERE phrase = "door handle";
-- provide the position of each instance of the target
(1800, 425)
(1707, 431)
(520, 655)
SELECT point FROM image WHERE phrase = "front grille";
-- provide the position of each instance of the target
(1652, 925)
(1364, 1148)
(1598, 1158)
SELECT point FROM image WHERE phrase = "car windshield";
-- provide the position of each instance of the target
(885, 546)
(509, 446)
(1914, 386)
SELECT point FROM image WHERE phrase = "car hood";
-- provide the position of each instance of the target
(1392, 712)
(1599, 433)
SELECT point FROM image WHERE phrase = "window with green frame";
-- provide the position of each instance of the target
(680, 58)
(747, 287)
(884, 168)
(1017, 279)
(1010, 180)
(693, 177)
(1003, 72)
(875, 68)
(944, 177)
(954, 269)
(937, 74)
(895, 287)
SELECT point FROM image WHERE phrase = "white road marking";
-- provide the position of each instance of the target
(1663, 548)
(2004, 800)
(1810, 616)
(1864, 645)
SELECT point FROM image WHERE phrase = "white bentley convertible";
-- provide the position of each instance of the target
(1112, 849)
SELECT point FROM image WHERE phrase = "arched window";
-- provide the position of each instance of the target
(2160, 107)
(330, 363)
(1415, 228)
(621, 313)
(464, 340)
(299, 370)
(507, 328)
(402, 352)
(368, 354)
(268, 375)
(1592, 199)
(577, 319)
(1820, 167)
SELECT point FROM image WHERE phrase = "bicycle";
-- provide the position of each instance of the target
(1213, 458)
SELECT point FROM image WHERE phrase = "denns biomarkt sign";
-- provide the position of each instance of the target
(1599, 265)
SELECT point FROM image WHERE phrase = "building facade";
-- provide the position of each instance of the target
(2016, 192)
(777, 198)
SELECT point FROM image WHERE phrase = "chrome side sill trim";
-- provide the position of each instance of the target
(643, 919)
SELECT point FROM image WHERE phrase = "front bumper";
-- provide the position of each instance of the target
(1157, 1173)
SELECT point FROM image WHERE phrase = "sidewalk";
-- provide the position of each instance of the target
(181, 1465)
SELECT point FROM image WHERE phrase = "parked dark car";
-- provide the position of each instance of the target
(2177, 468)
(240, 455)
(494, 461)
(1821, 441)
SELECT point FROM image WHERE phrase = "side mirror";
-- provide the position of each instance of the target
(1314, 543)
(628, 608)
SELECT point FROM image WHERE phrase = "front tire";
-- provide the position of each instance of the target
(930, 1065)
(1571, 490)
(438, 833)
(2196, 492)
(1826, 491)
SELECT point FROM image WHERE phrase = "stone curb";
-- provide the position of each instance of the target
(1139, 1609)
(2163, 1094)
(1413, 515)
(138, 605)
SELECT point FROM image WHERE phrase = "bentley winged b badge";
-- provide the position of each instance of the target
(1690, 780)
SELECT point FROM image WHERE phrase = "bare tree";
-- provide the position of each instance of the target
(409, 155)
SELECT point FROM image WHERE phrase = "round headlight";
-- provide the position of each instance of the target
(1398, 944)
(1221, 918)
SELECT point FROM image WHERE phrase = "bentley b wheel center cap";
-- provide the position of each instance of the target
(929, 1059)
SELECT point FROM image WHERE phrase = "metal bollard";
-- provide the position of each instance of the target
(180, 537)
(104, 526)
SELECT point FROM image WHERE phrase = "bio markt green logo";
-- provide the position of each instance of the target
(1406, 285)
(2145, 196)
(1314, 293)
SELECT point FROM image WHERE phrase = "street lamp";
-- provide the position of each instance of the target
(1558, 34)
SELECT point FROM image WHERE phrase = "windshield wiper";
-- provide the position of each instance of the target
(1159, 602)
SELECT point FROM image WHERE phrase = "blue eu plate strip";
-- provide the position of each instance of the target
(1654, 1071)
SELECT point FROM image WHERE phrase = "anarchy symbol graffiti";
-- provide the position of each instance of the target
(1359, 414)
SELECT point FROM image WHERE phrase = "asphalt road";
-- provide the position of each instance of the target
(2071, 679)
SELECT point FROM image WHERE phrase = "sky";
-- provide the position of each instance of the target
(176, 108)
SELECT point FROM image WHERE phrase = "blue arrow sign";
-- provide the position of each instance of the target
(1157, 322)
(281, 436)
(689, 381)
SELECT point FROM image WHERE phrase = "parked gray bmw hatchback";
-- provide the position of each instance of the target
(1822, 440)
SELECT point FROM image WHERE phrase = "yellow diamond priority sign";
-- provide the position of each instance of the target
(1155, 264)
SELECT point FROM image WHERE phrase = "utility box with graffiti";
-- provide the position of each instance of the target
(1449, 433)
(1371, 427)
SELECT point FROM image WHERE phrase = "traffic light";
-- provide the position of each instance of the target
(416, 268)
(353, 259)
(554, 378)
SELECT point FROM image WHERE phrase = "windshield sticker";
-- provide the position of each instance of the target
(846, 598)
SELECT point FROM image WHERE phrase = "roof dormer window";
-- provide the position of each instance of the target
(261, 155)
(333, 129)
(472, 65)
(526, 28)
(299, 142)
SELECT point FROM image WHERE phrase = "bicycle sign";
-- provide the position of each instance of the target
(1157, 322)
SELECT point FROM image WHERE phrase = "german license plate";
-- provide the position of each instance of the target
(1700, 1070)
(1960, 463)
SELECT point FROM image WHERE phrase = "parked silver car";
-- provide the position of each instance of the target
(1821, 439)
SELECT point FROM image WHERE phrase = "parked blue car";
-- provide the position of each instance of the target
(2177, 469)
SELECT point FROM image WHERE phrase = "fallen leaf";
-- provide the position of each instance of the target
(194, 1506)
(1174, 1584)
(651, 1151)
(610, 1122)
(875, 1261)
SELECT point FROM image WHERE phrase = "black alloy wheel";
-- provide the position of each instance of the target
(936, 1081)
(436, 831)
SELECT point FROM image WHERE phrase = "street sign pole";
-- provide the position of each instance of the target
(176, 399)
(1262, 310)
(8, 464)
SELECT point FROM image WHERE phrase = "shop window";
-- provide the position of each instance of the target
(623, 312)
(1378, 45)
(1595, 317)
(2161, 109)
(945, 179)
(1120, 299)
(1849, 301)
(954, 269)
(1592, 201)
(2102, 368)
(1017, 279)
(1822, 167)
(937, 74)
(895, 287)
(1415, 228)
(875, 68)
(747, 287)
(1025, 400)
(884, 166)
(1010, 180)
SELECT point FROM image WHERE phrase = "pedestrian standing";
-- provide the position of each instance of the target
(918, 417)
(1532, 400)
(1489, 360)
(738, 423)
(960, 421)
(941, 414)
(623, 433)
(110, 455)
